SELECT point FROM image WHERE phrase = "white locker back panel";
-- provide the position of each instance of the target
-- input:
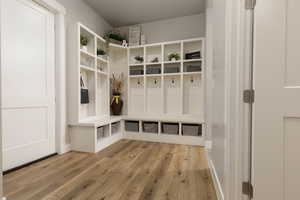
(172, 93)
(154, 97)
(137, 95)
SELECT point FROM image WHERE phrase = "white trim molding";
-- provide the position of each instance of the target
(60, 74)
(216, 181)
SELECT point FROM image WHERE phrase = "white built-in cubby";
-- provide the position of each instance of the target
(90, 123)
(172, 88)
(163, 99)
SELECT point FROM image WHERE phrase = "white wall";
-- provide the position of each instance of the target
(216, 38)
(173, 29)
(79, 11)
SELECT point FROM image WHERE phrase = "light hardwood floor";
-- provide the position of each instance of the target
(127, 170)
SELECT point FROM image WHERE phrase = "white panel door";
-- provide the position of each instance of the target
(276, 142)
(28, 88)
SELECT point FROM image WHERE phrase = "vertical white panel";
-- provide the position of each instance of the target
(292, 43)
(292, 161)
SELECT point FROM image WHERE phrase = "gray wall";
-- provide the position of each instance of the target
(79, 11)
(173, 29)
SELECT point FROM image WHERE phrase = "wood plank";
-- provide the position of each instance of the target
(127, 170)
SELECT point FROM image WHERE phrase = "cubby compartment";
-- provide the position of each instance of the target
(90, 47)
(132, 126)
(102, 95)
(102, 66)
(172, 48)
(154, 54)
(136, 95)
(102, 132)
(170, 128)
(191, 129)
(195, 66)
(172, 68)
(134, 53)
(88, 109)
(136, 70)
(192, 94)
(172, 92)
(102, 49)
(154, 98)
(153, 69)
(87, 61)
(150, 127)
(115, 128)
(192, 50)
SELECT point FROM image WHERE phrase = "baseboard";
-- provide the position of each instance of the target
(216, 181)
(65, 149)
(163, 138)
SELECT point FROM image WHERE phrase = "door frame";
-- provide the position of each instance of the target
(238, 66)
(60, 76)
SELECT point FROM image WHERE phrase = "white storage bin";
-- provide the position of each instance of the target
(170, 128)
(192, 129)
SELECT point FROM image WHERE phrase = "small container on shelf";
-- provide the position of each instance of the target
(172, 68)
(193, 55)
(153, 69)
(136, 70)
(191, 129)
(150, 127)
(132, 126)
(170, 128)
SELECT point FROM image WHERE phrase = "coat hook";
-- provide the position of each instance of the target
(155, 81)
(173, 81)
(192, 79)
(138, 82)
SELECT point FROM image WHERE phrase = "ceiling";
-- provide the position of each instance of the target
(128, 12)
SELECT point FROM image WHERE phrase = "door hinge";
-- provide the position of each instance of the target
(248, 189)
(250, 4)
(249, 96)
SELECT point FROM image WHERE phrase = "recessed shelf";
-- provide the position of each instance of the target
(103, 73)
(172, 62)
(192, 73)
(136, 64)
(102, 59)
(172, 74)
(192, 60)
(87, 68)
(136, 76)
(87, 53)
(154, 63)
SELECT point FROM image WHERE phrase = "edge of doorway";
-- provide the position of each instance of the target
(60, 78)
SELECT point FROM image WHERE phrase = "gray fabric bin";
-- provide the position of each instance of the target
(172, 69)
(154, 70)
(193, 68)
(150, 127)
(136, 72)
(100, 132)
(192, 129)
(132, 126)
(115, 127)
(170, 128)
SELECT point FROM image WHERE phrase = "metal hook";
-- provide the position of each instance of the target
(155, 81)
(138, 82)
(192, 79)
